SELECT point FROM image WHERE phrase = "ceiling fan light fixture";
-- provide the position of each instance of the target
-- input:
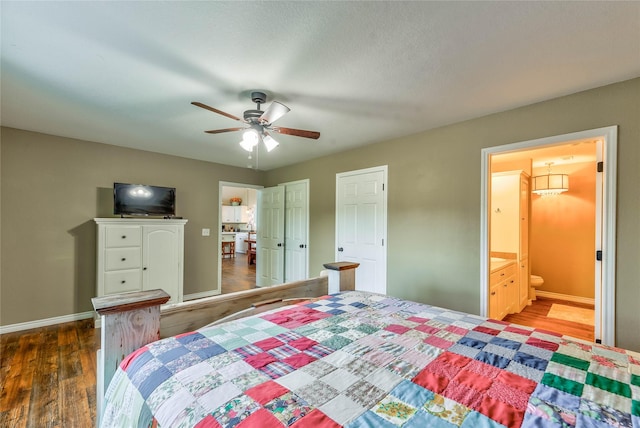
(250, 139)
(269, 142)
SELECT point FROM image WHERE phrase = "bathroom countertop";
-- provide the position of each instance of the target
(497, 265)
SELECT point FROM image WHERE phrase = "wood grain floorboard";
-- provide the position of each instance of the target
(48, 376)
(536, 316)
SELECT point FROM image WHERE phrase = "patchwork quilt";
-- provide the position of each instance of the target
(357, 359)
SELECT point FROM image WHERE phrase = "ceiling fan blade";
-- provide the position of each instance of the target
(220, 131)
(297, 132)
(215, 110)
(274, 112)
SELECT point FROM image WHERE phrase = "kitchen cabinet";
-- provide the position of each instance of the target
(140, 254)
(241, 246)
(234, 214)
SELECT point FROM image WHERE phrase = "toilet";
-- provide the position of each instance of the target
(534, 282)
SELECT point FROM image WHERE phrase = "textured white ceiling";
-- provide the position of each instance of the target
(125, 73)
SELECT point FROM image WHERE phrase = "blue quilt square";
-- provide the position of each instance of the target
(335, 312)
(369, 419)
(210, 351)
(153, 380)
(493, 359)
(191, 337)
(139, 361)
(506, 343)
(172, 354)
(422, 419)
(335, 305)
(478, 420)
(358, 305)
(559, 398)
(412, 394)
(472, 343)
(312, 305)
(530, 361)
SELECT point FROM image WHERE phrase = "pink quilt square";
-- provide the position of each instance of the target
(431, 381)
(260, 360)
(487, 330)
(438, 342)
(512, 329)
(457, 330)
(512, 396)
(544, 344)
(315, 419)
(518, 382)
(260, 419)
(463, 394)
(454, 359)
(442, 369)
(269, 343)
(299, 360)
(266, 392)
(395, 328)
(427, 329)
(302, 343)
(483, 369)
(473, 380)
(501, 412)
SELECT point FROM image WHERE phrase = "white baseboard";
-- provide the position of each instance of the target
(567, 297)
(200, 295)
(45, 322)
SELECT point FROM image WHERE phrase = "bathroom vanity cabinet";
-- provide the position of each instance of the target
(503, 290)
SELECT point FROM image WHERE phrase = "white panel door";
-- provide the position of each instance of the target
(270, 237)
(361, 225)
(296, 232)
(161, 260)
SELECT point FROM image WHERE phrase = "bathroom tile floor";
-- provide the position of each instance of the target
(536, 316)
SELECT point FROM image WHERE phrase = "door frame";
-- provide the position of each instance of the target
(222, 184)
(605, 297)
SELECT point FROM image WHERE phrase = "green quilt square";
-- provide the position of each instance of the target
(635, 408)
(635, 380)
(562, 384)
(306, 330)
(366, 328)
(336, 342)
(609, 385)
(570, 361)
(275, 330)
(336, 329)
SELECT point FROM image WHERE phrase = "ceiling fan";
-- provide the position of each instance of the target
(259, 123)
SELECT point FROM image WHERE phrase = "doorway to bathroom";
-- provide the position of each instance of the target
(564, 153)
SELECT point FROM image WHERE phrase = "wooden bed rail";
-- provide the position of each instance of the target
(131, 320)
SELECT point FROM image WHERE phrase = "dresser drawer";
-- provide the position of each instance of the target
(122, 258)
(122, 281)
(122, 236)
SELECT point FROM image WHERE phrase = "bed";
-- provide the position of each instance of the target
(359, 359)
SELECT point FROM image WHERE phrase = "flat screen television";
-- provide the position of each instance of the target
(141, 199)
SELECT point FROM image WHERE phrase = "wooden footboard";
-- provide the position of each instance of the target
(131, 320)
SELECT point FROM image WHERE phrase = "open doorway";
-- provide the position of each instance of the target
(236, 231)
(531, 158)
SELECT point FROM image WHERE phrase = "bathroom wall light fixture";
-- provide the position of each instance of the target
(550, 184)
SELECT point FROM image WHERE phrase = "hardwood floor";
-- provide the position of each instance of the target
(536, 316)
(237, 274)
(48, 376)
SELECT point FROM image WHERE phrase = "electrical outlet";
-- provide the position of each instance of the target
(206, 232)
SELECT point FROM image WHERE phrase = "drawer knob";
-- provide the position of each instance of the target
(123, 281)
(493, 293)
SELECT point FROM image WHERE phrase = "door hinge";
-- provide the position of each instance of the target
(600, 166)
(383, 187)
(599, 341)
(599, 255)
(383, 242)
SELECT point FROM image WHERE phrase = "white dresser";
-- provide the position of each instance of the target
(140, 254)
